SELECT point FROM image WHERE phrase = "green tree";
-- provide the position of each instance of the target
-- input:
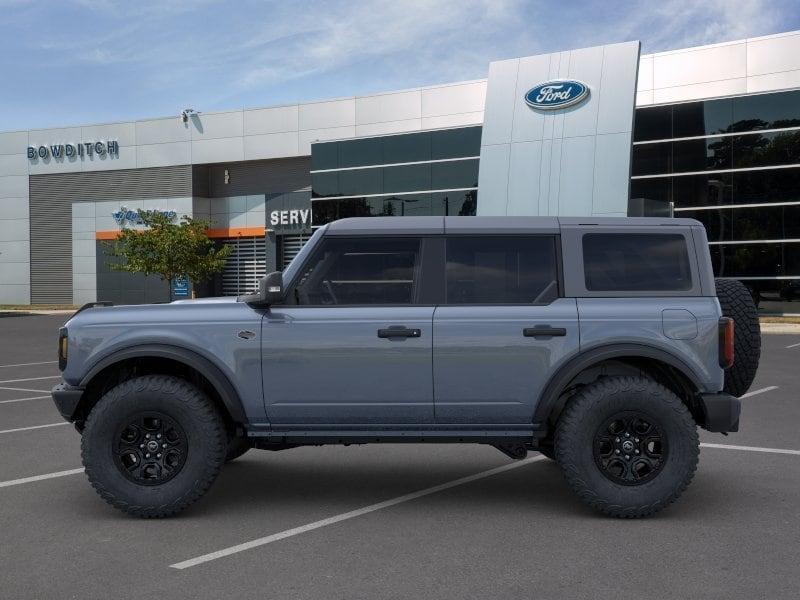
(168, 249)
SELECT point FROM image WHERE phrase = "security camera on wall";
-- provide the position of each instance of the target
(186, 113)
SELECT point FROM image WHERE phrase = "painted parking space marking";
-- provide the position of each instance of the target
(24, 399)
(31, 364)
(793, 345)
(31, 379)
(193, 562)
(40, 477)
(34, 427)
(751, 449)
(19, 389)
(761, 391)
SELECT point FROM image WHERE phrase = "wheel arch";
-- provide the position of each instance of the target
(169, 357)
(681, 377)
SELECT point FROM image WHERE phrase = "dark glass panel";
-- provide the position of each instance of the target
(325, 156)
(455, 204)
(360, 271)
(358, 153)
(652, 159)
(773, 185)
(652, 123)
(711, 189)
(324, 211)
(718, 223)
(766, 223)
(455, 143)
(616, 262)
(658, 188)
(766, 149)
(702, 155)
(754, 260)
(410, 205)
(360, 181)
(702, 118)
(409, 178)
(456, 174)
(411, 147)
(766, 111)
(325, 184)
(501, 270)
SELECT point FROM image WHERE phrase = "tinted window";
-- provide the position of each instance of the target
(658, 188)
(360, 181)
(455, 204)
(702, 155)
(325, 156)
(409, 178)
(702, 118)
(652, 159)
(360, 271)
(653, 123)
(636, 262)
(454, 143)
(407, 148)
(779, 185)
(456, 174)
(756, 260)
(358, 153)
(760, 150)
(501, 270)
(701, 190)
(325, 184)
(766, 111)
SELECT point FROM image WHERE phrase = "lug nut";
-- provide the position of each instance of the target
(616, 440)
(163, 445)
(637, 452)
(627, 435)
(616, 451)
(147, 455)
(141, 445)
(158, 455)
(147, 436)
(635, 439)
(627, 457)
(159, 436)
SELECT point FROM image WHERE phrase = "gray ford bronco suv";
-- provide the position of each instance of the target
(602, 343)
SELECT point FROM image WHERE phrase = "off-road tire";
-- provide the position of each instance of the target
(186, 405)
(586, 413)
(737, 303)
(236, 447)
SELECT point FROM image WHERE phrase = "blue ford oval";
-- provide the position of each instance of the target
(556, 94)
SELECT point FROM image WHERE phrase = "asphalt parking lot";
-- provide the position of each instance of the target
(517, 532)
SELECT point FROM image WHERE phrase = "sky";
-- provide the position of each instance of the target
(73, 62)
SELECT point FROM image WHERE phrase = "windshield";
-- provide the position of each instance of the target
(291, 269)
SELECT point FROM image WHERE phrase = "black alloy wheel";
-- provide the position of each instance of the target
(150, 449)
(630, 448)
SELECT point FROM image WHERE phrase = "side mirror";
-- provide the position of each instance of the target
(270, 290)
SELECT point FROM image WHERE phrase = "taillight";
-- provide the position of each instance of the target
(63, 348)
(726, 342)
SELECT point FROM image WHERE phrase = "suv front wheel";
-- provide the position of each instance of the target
(153, 445)
(627, 446)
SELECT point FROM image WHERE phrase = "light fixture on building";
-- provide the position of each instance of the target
(227, 177)
(186, 113)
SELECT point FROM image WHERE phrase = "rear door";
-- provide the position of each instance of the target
(502, 329)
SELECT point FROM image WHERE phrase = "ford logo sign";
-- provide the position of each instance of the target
(556, 94)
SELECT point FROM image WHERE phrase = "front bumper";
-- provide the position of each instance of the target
(721, 412)
(66, 399)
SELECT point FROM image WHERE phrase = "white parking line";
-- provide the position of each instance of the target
(47, 362)
(16, 389)
(40, 477)
(751, 449)
(794, 345)
(761, 391)
(193, 562)
(34, 427)
(24, 399)
(31, 379)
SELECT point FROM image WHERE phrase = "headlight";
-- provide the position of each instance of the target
(63, 347)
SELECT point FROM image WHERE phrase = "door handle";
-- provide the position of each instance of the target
(544, 331)
(399, 332)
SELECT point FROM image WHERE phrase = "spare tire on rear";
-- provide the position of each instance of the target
(737, 303)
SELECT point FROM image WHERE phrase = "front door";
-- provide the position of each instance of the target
(502, 330)
(352, 346)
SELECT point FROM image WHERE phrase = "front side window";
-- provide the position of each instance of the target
(636, 262)
(501, 270)
(351, 271)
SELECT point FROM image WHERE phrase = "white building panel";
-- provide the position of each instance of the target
(164, 155)
(217, 150)
(162, 131)
(271, 145)
(452, 99)
(323, 115)
(397, 106)
(208, 126)
(773, 54)
(389, 127)
(698, 65)
(280, 119)
(13, 142)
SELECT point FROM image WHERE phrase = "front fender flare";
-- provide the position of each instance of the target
(218, 380)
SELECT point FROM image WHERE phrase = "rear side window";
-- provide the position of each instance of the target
(360, 271)
(637, 262)
(501, 270)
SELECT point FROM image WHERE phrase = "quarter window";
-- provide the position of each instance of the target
(501, 270)
(360, 271)
(637, 262)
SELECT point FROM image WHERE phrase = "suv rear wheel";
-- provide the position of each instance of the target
(153, 445)
(627, 446)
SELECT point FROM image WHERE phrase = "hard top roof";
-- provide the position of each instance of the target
(487, 225)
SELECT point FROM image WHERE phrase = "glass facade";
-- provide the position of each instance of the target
(424, 173)
(734, 165)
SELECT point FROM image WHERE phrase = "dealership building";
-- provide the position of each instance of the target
(711, 133)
